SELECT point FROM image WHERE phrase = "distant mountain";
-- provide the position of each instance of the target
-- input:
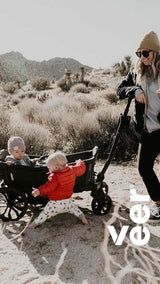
(14, 66)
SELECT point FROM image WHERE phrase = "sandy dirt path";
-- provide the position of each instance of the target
(62, 250)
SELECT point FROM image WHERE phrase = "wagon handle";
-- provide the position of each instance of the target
(126, 110)
(95, 151)
(122, 121)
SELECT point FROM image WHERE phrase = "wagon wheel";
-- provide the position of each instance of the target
(103, 207)
(105, 187)
(13, 204)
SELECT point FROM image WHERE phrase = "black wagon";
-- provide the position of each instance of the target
(16, 181)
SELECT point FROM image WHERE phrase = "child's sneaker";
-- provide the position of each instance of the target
(155, 212)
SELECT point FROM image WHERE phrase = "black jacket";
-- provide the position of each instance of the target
(128, 88)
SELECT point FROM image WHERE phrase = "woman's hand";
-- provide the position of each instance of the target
(35, 192)
(141, 98)
(158, 91)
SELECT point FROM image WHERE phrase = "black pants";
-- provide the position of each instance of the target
(149, 149)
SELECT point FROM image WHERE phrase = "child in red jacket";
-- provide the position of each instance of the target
(59, 189)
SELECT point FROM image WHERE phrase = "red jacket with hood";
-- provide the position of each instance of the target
(60, 184)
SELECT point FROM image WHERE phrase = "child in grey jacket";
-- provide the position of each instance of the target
(16, 149)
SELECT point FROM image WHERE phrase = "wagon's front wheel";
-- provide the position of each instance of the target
(13, 204)
(103, 207)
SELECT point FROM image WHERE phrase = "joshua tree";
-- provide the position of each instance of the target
(68, 80)
(128, 62)
(76, 78)
(123, 67)
(116, 68)
(82, 74)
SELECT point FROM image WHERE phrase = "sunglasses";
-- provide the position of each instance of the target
(145, 53)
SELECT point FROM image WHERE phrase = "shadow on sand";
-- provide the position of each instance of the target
(88, 253)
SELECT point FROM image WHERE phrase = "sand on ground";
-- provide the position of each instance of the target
(62, 250)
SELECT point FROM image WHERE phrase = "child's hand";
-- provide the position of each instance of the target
(9, 163)
(35, 160)
(35, 192)
(157, 160)
(78, 162)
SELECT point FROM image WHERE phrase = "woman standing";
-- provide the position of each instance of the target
(144, 84)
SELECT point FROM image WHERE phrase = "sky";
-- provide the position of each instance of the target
(97, 33)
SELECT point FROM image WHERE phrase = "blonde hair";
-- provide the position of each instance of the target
(58, 159)
(151, 71)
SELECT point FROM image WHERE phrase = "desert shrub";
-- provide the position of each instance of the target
(112, 98)
(56, 108)
(18, 84)
(61, 83)
(87, 101)
(97, 130)
(38, 140)
(15, 101)
(62, 105)
(41, 84)
(96, 83)
(42, 97)
(56, 112)
(28, 109)
(22, 95)
(9, 87)
(74, 135)
(79, 88)
(108, 121)
(31, 95)
(4, 128)
(106, 71)
(89, 131)
(77, 123)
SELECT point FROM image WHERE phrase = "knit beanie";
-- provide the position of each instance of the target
(14, 143)
(151, 42)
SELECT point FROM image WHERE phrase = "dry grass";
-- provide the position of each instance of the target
(71, 122)
(79, 88)
(4, 127)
